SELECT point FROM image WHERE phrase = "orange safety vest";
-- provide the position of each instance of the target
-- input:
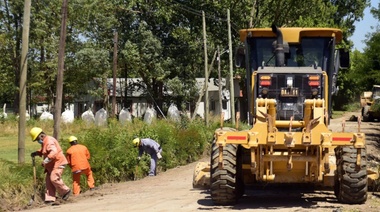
(77, 156)
(52, 150)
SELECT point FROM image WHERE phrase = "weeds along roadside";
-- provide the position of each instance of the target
(113, 157)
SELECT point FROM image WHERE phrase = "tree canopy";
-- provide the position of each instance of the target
(365, 66)
(160, 41)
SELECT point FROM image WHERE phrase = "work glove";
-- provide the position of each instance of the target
(46, 161)
(159, 156)
(138, 158)
(34, 154)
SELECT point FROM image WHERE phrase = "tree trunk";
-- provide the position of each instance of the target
(61, 62)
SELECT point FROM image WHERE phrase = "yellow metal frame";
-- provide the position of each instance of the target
(274, 146)
(306, 153)
(294, 34)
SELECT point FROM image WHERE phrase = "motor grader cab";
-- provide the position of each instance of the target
(291, 75)
(370, 103)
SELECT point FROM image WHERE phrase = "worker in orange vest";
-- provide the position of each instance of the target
(54, 162)
(77, 156)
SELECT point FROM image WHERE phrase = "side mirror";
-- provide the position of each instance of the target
(344, 59)
(240, 57)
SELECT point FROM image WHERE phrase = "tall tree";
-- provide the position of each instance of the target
(171, 28)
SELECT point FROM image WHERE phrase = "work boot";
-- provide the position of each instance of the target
(94, 188)
(67, 195)
(49, 203)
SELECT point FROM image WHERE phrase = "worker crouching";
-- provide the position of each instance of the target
(150, 147)
(77, 156)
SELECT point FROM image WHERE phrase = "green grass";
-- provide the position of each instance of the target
(352, 107)
(337, 114)
(9, 148)
(113, 157)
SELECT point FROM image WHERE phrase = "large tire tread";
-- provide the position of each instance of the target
(351, 183)
(225, 183)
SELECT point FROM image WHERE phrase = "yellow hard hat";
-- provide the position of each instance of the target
(136, 142)
(72, 138)
(35, 132)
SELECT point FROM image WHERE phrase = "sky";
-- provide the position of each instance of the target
(363, 27)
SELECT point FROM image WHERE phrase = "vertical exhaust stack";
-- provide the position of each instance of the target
(279, 48)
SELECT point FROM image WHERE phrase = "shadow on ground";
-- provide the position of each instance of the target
(275, 197)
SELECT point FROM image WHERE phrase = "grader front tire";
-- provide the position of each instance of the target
(351, 182)
(365, 114)
(226, 184)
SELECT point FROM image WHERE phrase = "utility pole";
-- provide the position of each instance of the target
(23, 73)
(252, 14)
(210, 67)
(61, 62)
(206, 64)
(232, 95)
(114, 74)
(220, 84)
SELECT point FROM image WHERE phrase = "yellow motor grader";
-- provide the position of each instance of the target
(291, 76)
(368, 101)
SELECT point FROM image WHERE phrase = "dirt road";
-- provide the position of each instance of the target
(172, 191)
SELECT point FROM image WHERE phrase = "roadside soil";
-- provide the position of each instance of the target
(172, 190)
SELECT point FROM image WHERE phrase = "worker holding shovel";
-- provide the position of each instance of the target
(54, 162)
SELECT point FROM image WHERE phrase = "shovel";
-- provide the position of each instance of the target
(34, 181)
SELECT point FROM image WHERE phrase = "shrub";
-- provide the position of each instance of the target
(113, 156)
(16, 185)
(375, 107)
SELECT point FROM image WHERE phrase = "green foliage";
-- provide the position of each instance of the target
(113, 156)
(16, 184)
(352, 107)
(375, 107)
(365, 68)
(159, 41)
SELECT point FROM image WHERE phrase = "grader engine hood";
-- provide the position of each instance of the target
(290, 86)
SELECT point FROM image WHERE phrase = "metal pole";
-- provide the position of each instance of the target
(220, 84)
(206, 72)
(114, 75)
(232, 95)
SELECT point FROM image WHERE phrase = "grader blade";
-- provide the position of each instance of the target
(201, 177)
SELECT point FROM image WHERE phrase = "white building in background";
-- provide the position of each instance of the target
(137, 99)
(213, 97)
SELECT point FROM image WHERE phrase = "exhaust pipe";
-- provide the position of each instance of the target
(279, 49)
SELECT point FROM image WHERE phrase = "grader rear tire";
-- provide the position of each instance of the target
(351, 183)
(226, 184)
